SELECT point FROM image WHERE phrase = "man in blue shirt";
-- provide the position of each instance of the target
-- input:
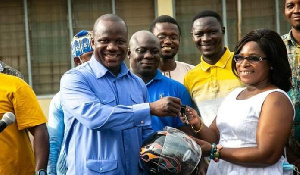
(144, 56)
(107, 114)
(81, 52)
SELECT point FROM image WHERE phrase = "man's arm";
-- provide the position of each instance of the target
(41, 146)
(81, 102)
(56, 129)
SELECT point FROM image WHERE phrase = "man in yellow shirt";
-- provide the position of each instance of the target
(212, 79)
(17, 156)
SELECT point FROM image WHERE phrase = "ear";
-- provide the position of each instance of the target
(93, 43)
(77, 61)
(192, 36)
(223, 30)
(128, 53)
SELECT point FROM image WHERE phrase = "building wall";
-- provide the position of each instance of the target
(44, 103)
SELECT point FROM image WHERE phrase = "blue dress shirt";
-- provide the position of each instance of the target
(107, 117)
(161, 86)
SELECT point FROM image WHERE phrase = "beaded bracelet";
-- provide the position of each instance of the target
(201, 126)
(215, 152)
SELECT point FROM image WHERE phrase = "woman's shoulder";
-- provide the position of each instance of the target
(279, 99)
(276, 94)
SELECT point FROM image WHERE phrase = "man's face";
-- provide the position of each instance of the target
(208, 35)
(110, 44)
(144, 55)
(83, 58)
(292, 13)
(169, 38)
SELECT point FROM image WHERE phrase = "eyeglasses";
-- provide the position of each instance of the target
(251, 59)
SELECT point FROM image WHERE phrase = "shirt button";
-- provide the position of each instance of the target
(101, 169)
(142, 122)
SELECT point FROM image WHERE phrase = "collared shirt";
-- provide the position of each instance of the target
(56, 130)
(293, 51)
(106, 119)
(161, 86)
(179, 72)
(209, 84)
(4, 68)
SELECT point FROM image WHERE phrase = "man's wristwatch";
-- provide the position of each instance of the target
(41, 172)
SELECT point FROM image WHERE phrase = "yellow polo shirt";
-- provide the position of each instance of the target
(209, 84)
(16, 154)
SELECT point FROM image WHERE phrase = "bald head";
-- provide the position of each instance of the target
(138, 36)
(111, 18)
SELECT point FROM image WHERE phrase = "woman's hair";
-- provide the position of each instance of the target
(274, 48)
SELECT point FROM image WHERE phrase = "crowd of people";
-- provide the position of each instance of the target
(241, 107)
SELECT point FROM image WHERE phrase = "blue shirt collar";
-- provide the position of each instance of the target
(158, 76)
(99, 70)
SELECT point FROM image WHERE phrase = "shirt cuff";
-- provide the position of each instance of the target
(141, 114)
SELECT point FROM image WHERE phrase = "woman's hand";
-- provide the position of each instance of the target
(191, 117)
(205, 146)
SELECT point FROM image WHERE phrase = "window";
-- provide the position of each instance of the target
(49, 42)
(137, 14)
(12, 43)
(85, 13)
(258, 14)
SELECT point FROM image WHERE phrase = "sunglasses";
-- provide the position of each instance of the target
(251, 59)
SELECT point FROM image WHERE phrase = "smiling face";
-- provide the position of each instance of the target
(292, 13)
(253, 73)
(110, 44)
(144, 55)
(208, 35)
(169, 38)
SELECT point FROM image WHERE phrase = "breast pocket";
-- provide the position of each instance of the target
(136, 99)
(106, 99)
(102, 166)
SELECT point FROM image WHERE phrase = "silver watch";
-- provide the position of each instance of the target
(41, 172)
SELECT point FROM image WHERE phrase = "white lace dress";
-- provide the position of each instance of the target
(237, 122)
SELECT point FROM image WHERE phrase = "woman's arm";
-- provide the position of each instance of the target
(209, 134)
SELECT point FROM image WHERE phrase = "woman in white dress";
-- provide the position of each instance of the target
(254, 122)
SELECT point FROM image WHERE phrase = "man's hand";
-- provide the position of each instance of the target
(167, 106)
(201, 168)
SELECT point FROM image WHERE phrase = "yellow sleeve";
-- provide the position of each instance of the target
(27, 109)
